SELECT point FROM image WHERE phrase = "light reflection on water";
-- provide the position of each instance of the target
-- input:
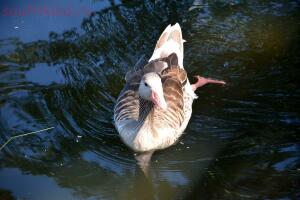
(242, 139)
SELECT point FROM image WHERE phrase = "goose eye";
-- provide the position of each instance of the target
(146, 84)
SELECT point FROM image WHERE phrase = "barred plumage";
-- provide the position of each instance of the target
(143, 126)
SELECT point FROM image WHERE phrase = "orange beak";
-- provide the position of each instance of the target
(158, 101)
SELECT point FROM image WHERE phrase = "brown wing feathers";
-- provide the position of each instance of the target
(173, 79)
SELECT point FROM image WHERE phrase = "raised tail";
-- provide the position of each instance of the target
(170, 42)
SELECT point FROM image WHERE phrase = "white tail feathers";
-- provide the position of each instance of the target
(170, 42)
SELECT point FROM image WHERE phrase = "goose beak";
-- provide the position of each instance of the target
(158, 100)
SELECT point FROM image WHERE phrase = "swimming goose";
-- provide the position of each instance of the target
(155, 105)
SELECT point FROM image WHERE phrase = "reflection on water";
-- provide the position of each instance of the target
(242, 139)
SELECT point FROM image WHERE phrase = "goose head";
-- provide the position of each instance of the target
(151, 89)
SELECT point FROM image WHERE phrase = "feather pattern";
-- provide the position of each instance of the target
(141, 125)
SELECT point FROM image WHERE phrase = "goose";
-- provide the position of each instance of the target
(155, 105)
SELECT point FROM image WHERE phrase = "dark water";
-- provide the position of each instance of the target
(66, 72)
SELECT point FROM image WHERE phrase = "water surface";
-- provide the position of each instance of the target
(242, 141)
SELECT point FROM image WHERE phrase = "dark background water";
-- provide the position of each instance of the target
(64, 68)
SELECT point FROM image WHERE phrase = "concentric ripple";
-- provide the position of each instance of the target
(242, 140)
